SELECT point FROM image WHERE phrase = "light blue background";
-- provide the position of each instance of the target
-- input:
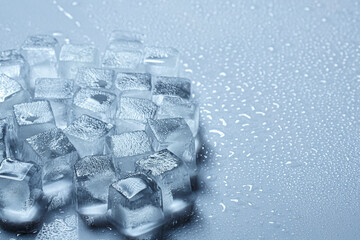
(278, 84)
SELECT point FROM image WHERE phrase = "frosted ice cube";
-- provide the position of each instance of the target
(162, 61)
(172, 176)
(21, 198)
(11, 93)
(95, 78)
(88, 134)
(173, 107)
(170, 86)
(13, 64)
(32, 118)
(97, 103)
(175, 135)
(128, 147)
(59, 93)
(41, 51)
(135, 205)
(132, 113)
(53, 151)
(94, 174)
(125, 51)
(134, 84)
(72, 57)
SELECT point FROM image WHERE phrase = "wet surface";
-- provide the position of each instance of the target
(278, 87)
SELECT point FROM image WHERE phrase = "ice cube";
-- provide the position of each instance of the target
(94, 174)
(41, 51)
(135, 205)
(95, 78)
(162, 61)
(30, 119)
(172, 176)
(175, 135)
(13, 64)
(21, 197)
(173, 107)
(72, 57)
(59, 95)
(3, 138)
(11, 93)
(88, 134)
(121, 35)
(133, 84)
(96, 103)
(128, 147)
(134, 111)
(124, 51)
(170, 86)
(53, 151)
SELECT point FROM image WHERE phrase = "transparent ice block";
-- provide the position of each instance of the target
(21, 198)
(133, 84)
(88, 134)
(135, 205)
(93, 174)
(162, 61)
(128, 147)
(75, 56)
(13, 64)
(97, 78)
(53, 151)
(170, 86)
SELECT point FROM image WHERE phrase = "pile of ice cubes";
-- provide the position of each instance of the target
(116, 139)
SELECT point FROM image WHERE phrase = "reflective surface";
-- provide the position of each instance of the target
(278, 86)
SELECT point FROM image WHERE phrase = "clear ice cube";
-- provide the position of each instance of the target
(135, 205)
(21, 197)
(53, 151)
(170, 86)
(30, 119)
(88, 134)
(93, 174)
(13, 64)
(124, 51)
(59, 95)
(175, 107)
(72, 57)
(11, 93)
(97, 103)
(162, 61)
(171, 174)
(175, 135)
(133, 84)
(3, 137)
(40, 51)
(95, 78)
(128, 147)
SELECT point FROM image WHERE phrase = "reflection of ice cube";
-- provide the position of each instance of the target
(21, 204)
(95, 78)
(88, 134)
(171, 174)
(59, 95)
(173, 107)
(11, 93)
(94, 174)
(13, 64)
(124, 51)
(53, 151)
(134, 84)
(40, 51)
(128, 147)
(135, 206)
(170, 86)
(96, 103)
(175, 135)
(162, 61)
(72, 57)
